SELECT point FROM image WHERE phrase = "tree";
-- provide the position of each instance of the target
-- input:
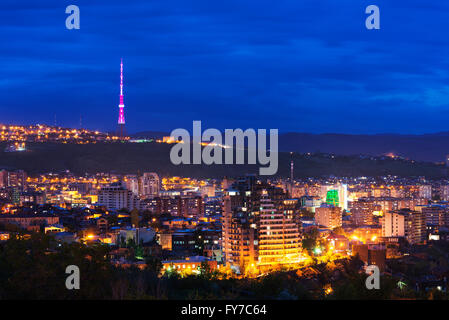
(135, 218)
(310, 240)
(138, 252)
(131, 243)
(206, 270)
(35, 269)
(154, 265)
(339, 230)
(112, 219)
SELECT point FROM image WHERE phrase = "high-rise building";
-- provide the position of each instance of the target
(132, 184)
(116, 197)
(213, 206)
(258, 227)
(393, 224)
(16, 178)
(444, 192)
(436, 216)
(363, 212)
(425, 192)
(239, 238)
(328, 216)
(185, 206)
(151, 185)
(405, 223)
(278, 233)
(192, 207)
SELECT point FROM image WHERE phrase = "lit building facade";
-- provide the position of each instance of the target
(405, 223)
(151, 185)
(363, 212)
(328, 216)
(116, 197)
(279, 238)
(259, 226)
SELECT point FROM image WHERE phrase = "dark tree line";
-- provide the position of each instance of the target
(35, 269)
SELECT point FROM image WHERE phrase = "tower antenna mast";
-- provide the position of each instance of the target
(121, 107)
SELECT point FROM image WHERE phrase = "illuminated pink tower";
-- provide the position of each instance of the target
(121, 106)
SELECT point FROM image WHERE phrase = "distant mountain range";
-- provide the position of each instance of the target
(426, 147)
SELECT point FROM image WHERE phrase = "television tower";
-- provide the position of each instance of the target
(291, 174)
(291, 167)
(121, 107)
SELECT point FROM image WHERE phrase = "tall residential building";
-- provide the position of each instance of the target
(279, 239)
(425, 192)
(213, 206)
(405, 223)
(16, 178)
(132, 184)
(436, 216)
(239, 235)
(328, 216)
(393, 224)
(257, 227)
(151, 185)
(444, 192)
(189, 207)
(116, 197)
(363, 212)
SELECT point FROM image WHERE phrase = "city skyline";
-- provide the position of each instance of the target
(295, 67)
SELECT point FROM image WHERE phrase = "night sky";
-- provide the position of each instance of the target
(304, 66)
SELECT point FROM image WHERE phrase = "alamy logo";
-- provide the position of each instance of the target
(213, 143)
(72, 21)
(73, 280)
(373, 20)
(373, 280)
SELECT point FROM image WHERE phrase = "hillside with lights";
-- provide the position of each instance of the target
(55, 134)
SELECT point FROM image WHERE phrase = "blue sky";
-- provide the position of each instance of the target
(304, 66)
